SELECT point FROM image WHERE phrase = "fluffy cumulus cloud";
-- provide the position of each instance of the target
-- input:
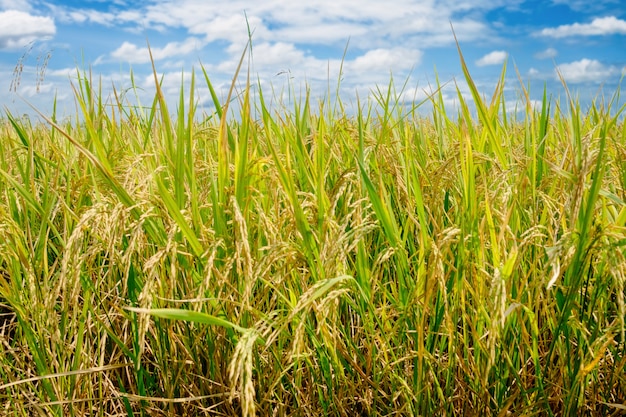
(279, 53)
(323, 22)
(386, 60)
(131, 53)
(587, 71)
(609, 25)
(492, 58)
(18, 28)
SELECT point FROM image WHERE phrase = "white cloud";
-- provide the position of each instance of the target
(586, 70)
(376, 65)
(325, 33)
(386, 60)
(63, 73)
(18, 28)
(547, 54)
(492, 58)
(102, 18)
(31, 90)
(131, 53)
(280, 53)
(369, 25)
(113, 17)
(609, 25)
(232, 28)
(22, 5)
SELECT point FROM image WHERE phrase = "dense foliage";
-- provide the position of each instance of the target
(303, 261)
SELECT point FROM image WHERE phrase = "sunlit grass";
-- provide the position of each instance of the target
(305, 261)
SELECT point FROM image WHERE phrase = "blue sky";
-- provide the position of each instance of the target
(303, 43)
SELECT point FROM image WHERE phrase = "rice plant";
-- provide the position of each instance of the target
(306, 261)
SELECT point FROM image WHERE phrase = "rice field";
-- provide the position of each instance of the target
(301, 260)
